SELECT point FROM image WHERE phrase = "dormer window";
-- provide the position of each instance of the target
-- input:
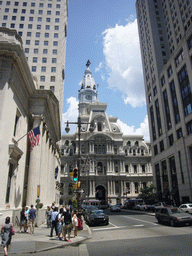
(99, 127)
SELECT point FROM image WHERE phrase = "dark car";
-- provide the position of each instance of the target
(173, 216)
(97, 217)
(115, 208)
(87, 211)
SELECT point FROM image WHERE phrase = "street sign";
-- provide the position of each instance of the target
(81, 190)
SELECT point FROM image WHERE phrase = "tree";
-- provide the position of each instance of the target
(148, 193)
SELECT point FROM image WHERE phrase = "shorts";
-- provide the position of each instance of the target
(32, 222)
(67, 229)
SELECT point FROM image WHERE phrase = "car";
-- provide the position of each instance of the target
(186, 207)
(87, 210)
(97, 217)
(173, 215)
(115, 208)
(160, 205)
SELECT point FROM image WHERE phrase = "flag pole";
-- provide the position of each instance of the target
(22, 137)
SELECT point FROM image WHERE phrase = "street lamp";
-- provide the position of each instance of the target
(67, 129)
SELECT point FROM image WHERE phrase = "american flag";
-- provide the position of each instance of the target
(34, 135)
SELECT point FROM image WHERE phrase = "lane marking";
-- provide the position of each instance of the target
(99, 229)
(141, 220)
(138, 225)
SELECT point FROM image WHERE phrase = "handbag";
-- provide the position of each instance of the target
(12, 231)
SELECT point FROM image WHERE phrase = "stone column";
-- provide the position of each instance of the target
(34, 167)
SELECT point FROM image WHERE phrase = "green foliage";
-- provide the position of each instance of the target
(147, 193)
(74, 203)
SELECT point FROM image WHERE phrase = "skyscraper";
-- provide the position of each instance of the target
(165, 31)
(42, 26)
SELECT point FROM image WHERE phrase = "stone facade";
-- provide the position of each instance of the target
(23, 107)
(113, 166)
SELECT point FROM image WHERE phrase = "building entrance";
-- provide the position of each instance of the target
(100, 193)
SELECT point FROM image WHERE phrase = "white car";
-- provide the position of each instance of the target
(186, 207)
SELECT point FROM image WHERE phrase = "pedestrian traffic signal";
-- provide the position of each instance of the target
(75, 175)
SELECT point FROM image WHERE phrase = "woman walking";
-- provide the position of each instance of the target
(6, 235)
(75, 223)
(22, 220)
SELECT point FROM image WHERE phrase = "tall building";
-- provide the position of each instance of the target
(165, 31)
(42, 26)
(113, 166)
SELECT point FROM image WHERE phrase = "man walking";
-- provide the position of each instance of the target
(54, 217)
(32, 217)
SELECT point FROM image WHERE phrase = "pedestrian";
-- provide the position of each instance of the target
(6, 235)
(22, 220)
(68, 225)
(60, 223)
(32, 217)
(27, 218)
(54, 217)
(48, 216)
(75, 223)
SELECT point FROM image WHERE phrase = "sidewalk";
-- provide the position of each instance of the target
(41, 241)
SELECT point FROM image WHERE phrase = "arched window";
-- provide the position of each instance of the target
(99, 167)
(115, 149)
(99, 127)
(129, 143)
(103, 149)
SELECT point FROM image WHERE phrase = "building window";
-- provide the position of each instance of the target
(143, 168)
(48, 19)
(167, 111)
(55, 43)
(45, 51)
(55, 52)
(42, 78)
(34, 69)
(28, 42)
(57, 13)
(34, 59)
(30, 26)
(185, 89)
(14, 10)
(53, 69)
(161, 146)
(23, 11)
(173, 172)
(58, 6)
(55, 35)
(52, 79)
(39, 19)
(41, 5)
(46, 35)
(46, 43)
(12, 25)
(56, 20)
(169, 71)
(189, 127)
(6, 9)
(179, 133)
(54, 60)
(38, 26)
(24, 3)
(22, 18)
(13, 17)
(49, 5)
(36, 42)
(43, 69)
(171, 140)
(158, 177)
(47, 27)
(36, 51)
(20, 33)
(164, 175)
(174, 102)
(181, 167)
(16, 3)
(153, 123)
(32, 4)
(56, 27)
(42, 87)
(135, 168)
(28, 33)
(26, 50)
(155, 150)
(40, 12)
(155, 91)
(179, 58)
(48, 12)
(52, 88)
(44, 60)
(158, 117)
(30, 18)
(32, 11)
(37, 34)
(8, 3)
(126, 168)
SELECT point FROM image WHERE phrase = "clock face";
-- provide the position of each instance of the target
(88, 97)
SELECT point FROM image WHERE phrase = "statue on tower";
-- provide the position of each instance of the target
(88, 63)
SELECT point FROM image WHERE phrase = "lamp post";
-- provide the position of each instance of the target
(67, 129)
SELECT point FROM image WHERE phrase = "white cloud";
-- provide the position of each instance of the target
(123, 62)
(130, 130)
(71, 115)
(99, 67)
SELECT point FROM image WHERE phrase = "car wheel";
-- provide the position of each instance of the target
(172, 223)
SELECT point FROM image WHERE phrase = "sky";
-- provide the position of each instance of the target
(106, 33)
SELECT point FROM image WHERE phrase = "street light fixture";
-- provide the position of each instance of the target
(67, 129)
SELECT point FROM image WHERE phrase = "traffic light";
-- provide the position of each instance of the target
(75, 175)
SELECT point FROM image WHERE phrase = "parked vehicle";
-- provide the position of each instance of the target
(87, 210)
(160, 205)
(131, 203)
(186, 207)
(173, 216)
(115, 208)
(97, 217)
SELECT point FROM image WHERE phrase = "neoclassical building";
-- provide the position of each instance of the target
(113, 166)
(22, 108)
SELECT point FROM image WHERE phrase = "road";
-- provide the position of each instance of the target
(132, 233)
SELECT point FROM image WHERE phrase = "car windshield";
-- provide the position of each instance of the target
(98, 212)
(175, 210)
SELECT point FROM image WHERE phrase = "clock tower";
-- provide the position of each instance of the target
(88, 92)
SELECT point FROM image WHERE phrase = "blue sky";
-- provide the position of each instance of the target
(105, 32)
